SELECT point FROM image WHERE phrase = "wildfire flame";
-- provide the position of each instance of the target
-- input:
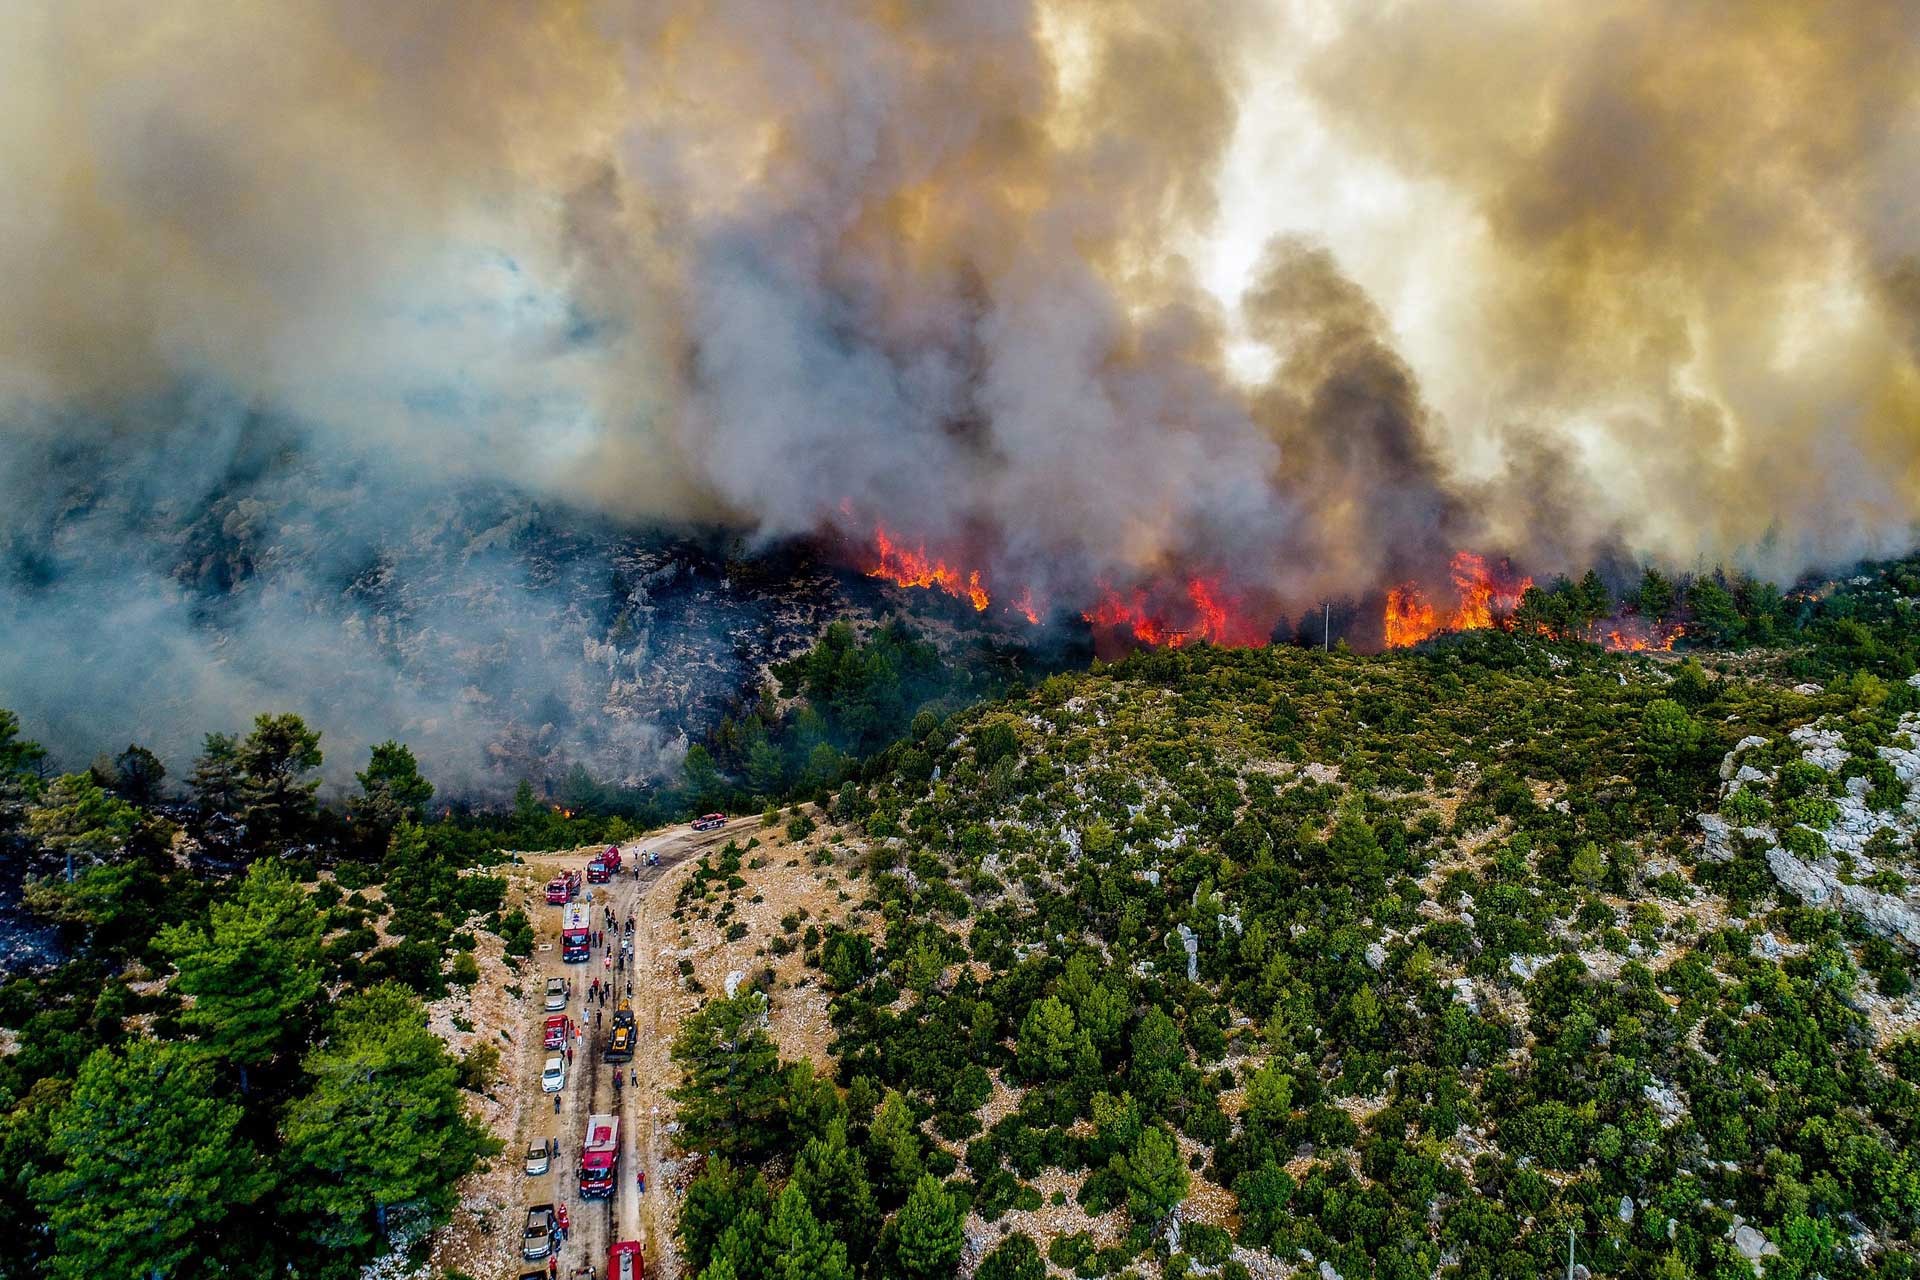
(1486, 598)
(1206, 614)
(1632, 635)
(1025, 607)
(913, 567)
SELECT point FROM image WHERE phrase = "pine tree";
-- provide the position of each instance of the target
(802, 1249)
(730, 1102)
(79, 824)
(138, 775)
(926, 1234)
(150, 1163)
(833, 1177)
(719, 1197)
(1154, 1176)
(276, 795)
(381, 1124)
(216, 775)
(254, 973)
(391, 792)
(1014, 1258)
(1047, 1041)
(894, 1149)
(1158, 1054)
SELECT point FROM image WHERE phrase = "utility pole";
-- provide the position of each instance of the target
(1569, 1253)
(1326, 627)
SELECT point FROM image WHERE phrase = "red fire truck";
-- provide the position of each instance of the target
(576, 934)
(600, 1156)
(563, 888)
(624, 1262)
(602, 868)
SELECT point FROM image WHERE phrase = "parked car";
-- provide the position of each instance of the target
(539, 1159)
(554, 1078)
(536, 1238)
(555, 1035)
(556, 994)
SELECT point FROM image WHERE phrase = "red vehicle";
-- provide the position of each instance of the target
(556, 1033)
(624, 1261)
(600, 1156)
(563, 888)
(710, 822)
(576, 934)
(611, 857)
(597, 872)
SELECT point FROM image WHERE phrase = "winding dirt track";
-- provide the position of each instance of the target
(644, 1110)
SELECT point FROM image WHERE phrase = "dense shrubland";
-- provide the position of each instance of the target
(1460, 979)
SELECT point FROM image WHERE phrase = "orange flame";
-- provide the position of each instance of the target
(913, 567)
(1631, 635)
(1207, 615)
(1486, 598)
(1025, 607)
(1410, 619)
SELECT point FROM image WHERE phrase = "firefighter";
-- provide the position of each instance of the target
(566, 1224)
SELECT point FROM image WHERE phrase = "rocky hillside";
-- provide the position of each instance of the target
(1278, 963)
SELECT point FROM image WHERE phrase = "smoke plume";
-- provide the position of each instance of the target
(1106, 300)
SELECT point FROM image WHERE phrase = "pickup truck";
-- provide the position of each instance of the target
(555, 1036)
(536, 1238)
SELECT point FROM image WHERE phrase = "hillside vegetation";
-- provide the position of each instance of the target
(1269, 961)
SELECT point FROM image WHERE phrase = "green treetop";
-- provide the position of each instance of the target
(150, 1164)
(253, 974)
(382, 1123)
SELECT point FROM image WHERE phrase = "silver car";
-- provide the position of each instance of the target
(539, 1159)
(556, 994)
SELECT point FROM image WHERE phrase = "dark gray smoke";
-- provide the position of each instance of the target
(1551, 280)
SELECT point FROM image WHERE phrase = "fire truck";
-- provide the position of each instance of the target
(563, 888)
(624, 1261)
(576, 935)
(602, 868)
(600, 1156)
(626, 1031)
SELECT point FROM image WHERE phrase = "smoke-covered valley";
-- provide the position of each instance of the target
(375, 363)
(166, 583)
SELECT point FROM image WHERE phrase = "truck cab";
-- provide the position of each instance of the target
(600, 1157)
(625, 1263)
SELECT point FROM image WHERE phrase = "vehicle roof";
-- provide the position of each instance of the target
(554, 1061)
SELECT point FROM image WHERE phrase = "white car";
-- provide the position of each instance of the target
(556, 994)
(554, 1078)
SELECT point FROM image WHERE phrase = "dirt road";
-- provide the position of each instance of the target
(643, 1109)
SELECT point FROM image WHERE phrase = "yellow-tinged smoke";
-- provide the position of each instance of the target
(1554, 276)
